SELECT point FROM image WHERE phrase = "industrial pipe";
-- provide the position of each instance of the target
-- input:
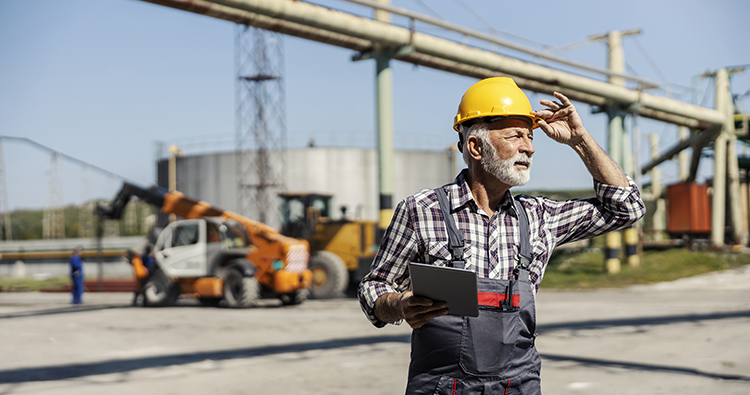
(242, 17)
(507, 44)
(395, 36)
(456, 66)
(697, 142)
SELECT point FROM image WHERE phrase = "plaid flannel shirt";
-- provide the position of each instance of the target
(417, 233)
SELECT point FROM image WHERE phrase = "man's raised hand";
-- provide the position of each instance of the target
(560, 121)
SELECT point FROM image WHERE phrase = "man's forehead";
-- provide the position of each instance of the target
(510, 122)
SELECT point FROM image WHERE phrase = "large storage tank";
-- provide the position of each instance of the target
(349, 174)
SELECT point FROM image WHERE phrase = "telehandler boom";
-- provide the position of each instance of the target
(215, 254)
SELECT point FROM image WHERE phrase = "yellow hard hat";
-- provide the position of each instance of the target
(494, 97)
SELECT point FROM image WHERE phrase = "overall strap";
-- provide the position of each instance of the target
(523, 260)
(455, 237)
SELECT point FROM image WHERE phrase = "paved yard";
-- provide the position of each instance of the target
(687, 337)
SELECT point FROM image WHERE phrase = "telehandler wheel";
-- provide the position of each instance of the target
(160, 290)
(329, 275)
(241, 291)
(296, 297)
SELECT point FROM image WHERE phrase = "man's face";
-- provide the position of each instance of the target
(508, 150)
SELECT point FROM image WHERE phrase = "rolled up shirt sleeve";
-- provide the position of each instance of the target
(388, 273)
(613, 208)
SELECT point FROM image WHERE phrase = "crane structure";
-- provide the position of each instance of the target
(53, 223)
(260, 121)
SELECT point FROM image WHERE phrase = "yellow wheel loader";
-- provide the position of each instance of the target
(341, 250)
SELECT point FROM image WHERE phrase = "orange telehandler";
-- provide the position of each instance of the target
(216, 255)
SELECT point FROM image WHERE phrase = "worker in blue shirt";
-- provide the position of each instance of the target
(148, 259)
(76, 275)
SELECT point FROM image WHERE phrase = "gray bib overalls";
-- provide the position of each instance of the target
(493, 353)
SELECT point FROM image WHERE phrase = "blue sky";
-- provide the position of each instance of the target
(102, 80)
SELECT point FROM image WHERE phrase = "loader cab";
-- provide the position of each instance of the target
(341, 250)
(301, 212)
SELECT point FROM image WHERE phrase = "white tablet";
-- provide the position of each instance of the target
(456, 287)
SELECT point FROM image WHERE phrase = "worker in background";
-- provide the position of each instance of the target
(140, 272)
(149, 262)
(76, 275)
(507, 240)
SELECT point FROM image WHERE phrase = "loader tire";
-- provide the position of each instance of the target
(241, 291)
(159, 290)
(329, 275)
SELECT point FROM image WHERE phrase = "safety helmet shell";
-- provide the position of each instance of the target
(494, 97)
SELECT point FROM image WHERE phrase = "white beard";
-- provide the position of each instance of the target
(504, 170)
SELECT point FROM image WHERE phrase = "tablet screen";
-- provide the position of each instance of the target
(456, 287)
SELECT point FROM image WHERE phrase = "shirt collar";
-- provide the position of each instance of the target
(507, 204)
(460, 195)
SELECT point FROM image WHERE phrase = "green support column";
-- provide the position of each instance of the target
(659, 218)
(718, 200)
(384, 98)
(385, 137)
(618, 147)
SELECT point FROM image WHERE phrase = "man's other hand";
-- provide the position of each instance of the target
(418, 310)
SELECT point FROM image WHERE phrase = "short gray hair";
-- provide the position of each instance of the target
(480, 129)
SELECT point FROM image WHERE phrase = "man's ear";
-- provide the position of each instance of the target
(474, 145)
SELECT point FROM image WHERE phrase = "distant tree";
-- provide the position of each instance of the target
(27, 224)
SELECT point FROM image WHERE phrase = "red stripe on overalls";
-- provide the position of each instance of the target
(494, 299)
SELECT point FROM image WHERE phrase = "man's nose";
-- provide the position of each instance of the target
(527, 147)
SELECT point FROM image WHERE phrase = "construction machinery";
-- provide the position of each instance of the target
(215, 255)
(342, 250)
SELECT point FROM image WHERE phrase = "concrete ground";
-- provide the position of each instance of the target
(691, 336)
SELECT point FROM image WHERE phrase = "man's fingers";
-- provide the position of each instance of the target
(553, 115)
(553, 105)
(544, 113)
(421, 319)
(564, 112)
(564, 99)
(423, 309)
(546, 128)
(418, 310)
(418, 301)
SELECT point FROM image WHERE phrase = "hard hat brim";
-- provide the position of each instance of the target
(477, 118)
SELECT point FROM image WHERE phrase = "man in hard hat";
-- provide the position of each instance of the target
(507, 240)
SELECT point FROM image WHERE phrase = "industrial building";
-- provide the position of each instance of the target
(349, 174)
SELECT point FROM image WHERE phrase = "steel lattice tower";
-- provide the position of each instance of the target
(53, 224)
(260, 122)
(86, 211)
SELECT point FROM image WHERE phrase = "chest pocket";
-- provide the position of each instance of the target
(438, 254)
